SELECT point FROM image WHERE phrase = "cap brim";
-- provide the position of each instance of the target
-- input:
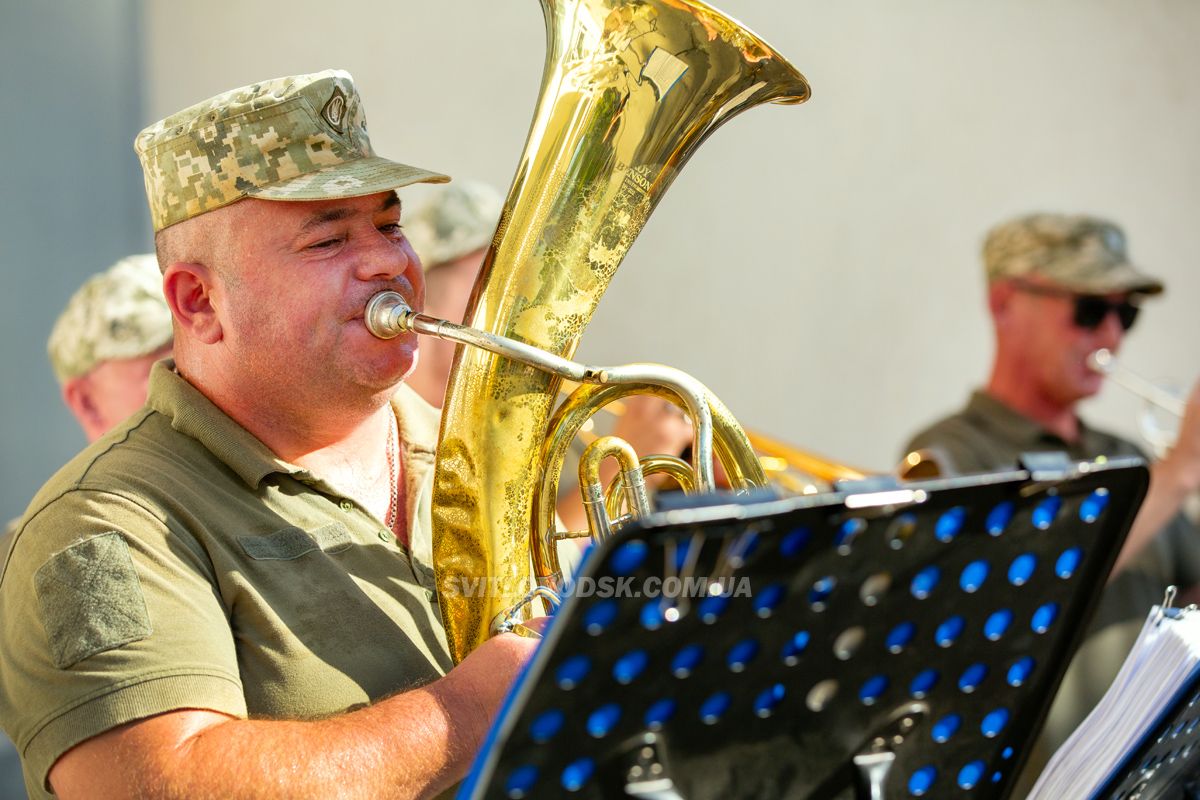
(1123, 278)
(356, 178)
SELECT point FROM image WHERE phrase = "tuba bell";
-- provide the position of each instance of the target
(629, 91)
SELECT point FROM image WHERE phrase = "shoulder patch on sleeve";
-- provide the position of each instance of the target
(90, 599)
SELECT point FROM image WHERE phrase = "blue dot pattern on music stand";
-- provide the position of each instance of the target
(630, 666)
(944, 729)
(686, 660)
(997, 624)
(999, 517)
(952, 617)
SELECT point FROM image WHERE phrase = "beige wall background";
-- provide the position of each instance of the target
(72, 203)
(817, 266)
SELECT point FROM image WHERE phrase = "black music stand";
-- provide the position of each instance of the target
(898, 640)
(1166, 764)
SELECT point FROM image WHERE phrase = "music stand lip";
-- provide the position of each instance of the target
(714, 511)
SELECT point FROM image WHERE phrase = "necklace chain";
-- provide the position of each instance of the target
(393, 479)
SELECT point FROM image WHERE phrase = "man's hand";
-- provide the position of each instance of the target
(482, 681)
(1182, 461)
(414, 744)
(1171, 481)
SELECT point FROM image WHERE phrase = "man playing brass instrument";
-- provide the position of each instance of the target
(1059, 289)
(230, 595)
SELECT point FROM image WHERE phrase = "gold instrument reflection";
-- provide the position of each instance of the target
(629, 91)
(791, 469)
(919, 465)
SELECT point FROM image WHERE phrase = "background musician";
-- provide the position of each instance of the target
(104, 343)
(106, 340)
(450, 232)
(102, 347)
(1061, 287)
(229, 595)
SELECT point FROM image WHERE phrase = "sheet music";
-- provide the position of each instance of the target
(1164, 661)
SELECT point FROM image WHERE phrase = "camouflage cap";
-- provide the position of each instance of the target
(120, 313)
(1080, 253)
(302, 137)
(455, 221)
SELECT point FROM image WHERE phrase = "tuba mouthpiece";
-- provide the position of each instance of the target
(388, 315)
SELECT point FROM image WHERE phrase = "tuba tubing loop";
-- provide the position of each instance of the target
(388, 315)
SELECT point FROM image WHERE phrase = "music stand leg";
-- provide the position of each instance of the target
(871, 771)
(647, 777)
(873, 762)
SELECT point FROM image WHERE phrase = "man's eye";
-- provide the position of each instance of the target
(324, 244)
(394, 229)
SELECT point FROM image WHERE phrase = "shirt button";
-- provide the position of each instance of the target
(384, 536)
(346, 505)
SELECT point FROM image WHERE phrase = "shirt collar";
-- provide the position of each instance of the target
(419, 421)
(1014, 426)
(193, 414)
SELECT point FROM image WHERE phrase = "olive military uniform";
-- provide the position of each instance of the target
(177, 563)
(987, 436)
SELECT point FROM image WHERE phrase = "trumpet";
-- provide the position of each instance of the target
(1159, 437)
(1104, 362)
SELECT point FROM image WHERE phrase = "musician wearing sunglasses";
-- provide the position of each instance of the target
(1059, 288)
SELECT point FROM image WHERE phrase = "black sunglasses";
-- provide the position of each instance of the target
(1090, 309)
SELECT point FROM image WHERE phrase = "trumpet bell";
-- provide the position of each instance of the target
(1160, 419)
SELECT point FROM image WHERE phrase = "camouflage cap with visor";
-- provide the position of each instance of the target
(454, 222)
(120, 313)
(302, 137)
(1080, 253)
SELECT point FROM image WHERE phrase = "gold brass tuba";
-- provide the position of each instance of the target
(630, 89)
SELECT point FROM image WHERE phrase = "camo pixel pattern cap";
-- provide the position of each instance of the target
(1080, 253)
(455, 221)
(302, 137)
(120, 313)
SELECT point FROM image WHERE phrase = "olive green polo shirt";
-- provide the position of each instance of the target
(987, 436)
(177, 563)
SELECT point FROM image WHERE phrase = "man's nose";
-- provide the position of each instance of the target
(385, 259)
(1109, 333)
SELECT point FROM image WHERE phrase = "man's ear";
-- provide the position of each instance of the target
(1000, 295)
(77, 394)
(189, 292)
